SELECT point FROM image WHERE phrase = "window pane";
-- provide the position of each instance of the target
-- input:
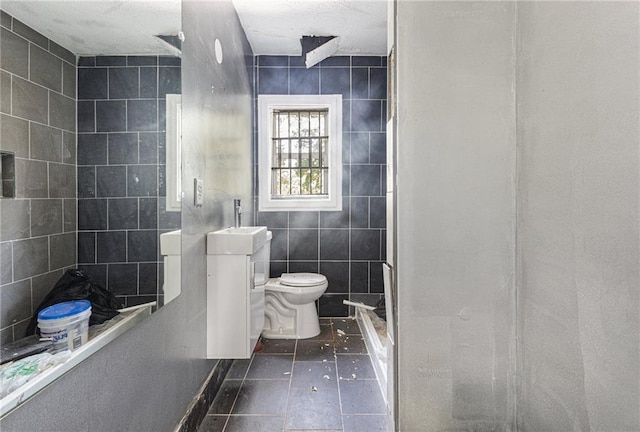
(325, 181)
(315, 152)
(275, 153)
(283, 124)
(295, 148)
(294, 124)
(276, 181)
(304, 124)
(285, 182)
(304, 182)
(315, 124)
(304, 153)
(324, 156)
(295, 182)
(299, 163)
(323, 124)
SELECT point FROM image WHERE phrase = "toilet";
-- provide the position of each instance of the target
(290, 309)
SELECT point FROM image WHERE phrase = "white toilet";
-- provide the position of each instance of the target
(290, 309)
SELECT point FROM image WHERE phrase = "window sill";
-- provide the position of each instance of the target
(99, 336)
(292, 205)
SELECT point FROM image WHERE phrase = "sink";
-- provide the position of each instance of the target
(170, 243)
(236, 241)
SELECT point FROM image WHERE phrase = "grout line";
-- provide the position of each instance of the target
(293, 362)
(335, 359)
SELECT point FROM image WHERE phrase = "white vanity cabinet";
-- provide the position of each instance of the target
(237, 269)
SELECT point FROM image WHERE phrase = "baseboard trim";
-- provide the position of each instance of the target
(199, 406)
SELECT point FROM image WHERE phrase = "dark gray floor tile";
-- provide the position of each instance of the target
(314, 374)
(314, 408)
(365, 423)
(350, 344)
(262, 397)
(347, 325)
(213, 423)
(225, 398)
(308, 350)
(326, 333)
(361, 397)
(270, 366)
(243, 423)
(238, 369)
(315, 390)
(278, 346)
(355, 367)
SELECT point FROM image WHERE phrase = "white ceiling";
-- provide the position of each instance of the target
(102, 27)
(274, 27)
(118, 27)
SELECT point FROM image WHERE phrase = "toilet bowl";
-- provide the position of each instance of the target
(290, 309)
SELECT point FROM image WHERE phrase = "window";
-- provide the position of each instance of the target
(174, 152)
(300, 152)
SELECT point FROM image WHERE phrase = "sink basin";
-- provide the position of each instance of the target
(170, 243)
(236, 241)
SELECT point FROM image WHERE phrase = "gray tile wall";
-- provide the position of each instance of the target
(346, 246)
(121, 171)
(38, 124)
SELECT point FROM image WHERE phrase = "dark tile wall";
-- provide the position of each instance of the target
(347, 246)
(37, 125)
(121, 171)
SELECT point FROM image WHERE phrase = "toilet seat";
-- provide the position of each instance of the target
(297, 283)
(302, 279)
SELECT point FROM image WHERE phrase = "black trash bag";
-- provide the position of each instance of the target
(76, 285)
(381, 309)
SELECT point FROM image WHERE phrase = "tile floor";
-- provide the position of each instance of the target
(322, 384)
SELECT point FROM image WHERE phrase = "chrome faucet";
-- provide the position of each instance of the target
(237, 213)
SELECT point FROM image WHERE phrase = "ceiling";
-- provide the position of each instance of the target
(102, 27)
(273, 27)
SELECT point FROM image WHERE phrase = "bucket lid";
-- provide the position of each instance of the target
(302, 279)
(64, 310)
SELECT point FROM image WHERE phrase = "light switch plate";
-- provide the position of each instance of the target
(198, 196)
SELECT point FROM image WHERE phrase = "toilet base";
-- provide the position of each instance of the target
(306, 324)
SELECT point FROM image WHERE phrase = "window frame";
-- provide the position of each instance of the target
(173, 152)
(266, 105)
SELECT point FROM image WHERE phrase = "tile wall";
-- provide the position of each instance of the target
(348, 246)
(38, 125)
(121, 171)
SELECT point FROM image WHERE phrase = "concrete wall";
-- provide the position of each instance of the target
(146, 378)
(578, 214)
(545, 93)
(455, 215)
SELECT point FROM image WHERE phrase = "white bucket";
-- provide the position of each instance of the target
(67, 324)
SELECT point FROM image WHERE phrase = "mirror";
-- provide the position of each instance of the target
(84, 88)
